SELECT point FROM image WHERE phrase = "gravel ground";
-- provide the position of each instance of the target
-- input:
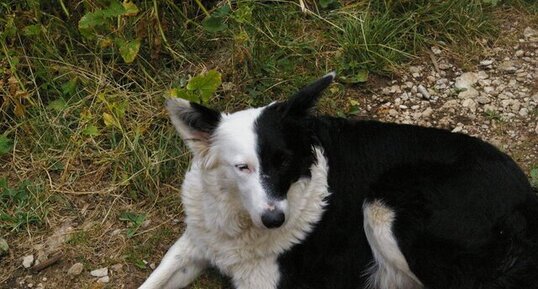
(496, 100)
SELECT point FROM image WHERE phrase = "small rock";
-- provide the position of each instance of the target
(471, 104)
(436, 50)
(427, 112)
(490, 108)
(101, 272)
(145, 224)
(393, 112)
(450, 104)
(424, 92)
(507, 66)
(415, 69)
(469, 93)
(28, 261)
(76, 269)
(444, 66)
(457, 129)
(529, 32)
(104, 279)
(519, 53)
(482, 75)
(4, 247)
(483, 100)
(466, 80)
(486, 62)
(117, 267)
(524, 112)
(489, 89)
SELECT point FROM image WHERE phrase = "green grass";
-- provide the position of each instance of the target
(21, 205)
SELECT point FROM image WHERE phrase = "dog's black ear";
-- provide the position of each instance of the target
(303, 101)
(194, 122)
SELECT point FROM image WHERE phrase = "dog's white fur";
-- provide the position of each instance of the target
(223, 206)
(390, 270)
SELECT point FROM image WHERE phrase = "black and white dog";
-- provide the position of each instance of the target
(279, 198)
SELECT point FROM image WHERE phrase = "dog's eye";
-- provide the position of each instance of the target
(243, 167)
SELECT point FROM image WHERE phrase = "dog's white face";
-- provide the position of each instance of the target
(259, 152)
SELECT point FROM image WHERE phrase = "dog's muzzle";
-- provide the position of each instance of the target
(273, 218)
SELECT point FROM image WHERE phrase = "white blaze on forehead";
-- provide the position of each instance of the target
(235, 137)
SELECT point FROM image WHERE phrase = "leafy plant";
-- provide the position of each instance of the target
(97, 24)
(17, 205)
(199, 88)
(134, 220)
(5, 145)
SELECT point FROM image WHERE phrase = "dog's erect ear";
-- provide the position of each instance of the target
(194, 122)
(304, 100)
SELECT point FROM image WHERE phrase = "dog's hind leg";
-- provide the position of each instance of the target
(178, 268)
(390, 270)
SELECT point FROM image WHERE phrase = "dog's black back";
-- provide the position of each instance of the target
(466, 214)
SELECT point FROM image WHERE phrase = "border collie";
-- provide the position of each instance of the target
(278, 198)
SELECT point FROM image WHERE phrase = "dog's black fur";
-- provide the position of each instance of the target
(466, 216)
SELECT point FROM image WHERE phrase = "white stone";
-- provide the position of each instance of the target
(529, 32)
(523, 112)
(436, 50)
(507, 66)
(104, 279)
(483, 100)
(469, 93)
(101, 272)
(486, 62)
(28, 261)
(76, 269)
(424, 91)
(466, 80)
(471, 104)
(427, 112)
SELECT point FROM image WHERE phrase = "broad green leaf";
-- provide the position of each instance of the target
(184, 93)
(99, 17)
(222, 11)
(5, 145)
(57, 105)
(129, 49)
(31, 30)
(243, 14)
(114, 10)
(205, 84)
(130, 8)
(110, 120)
(325, 3)
(359, 77)
(214, 24)
(90, 130)
(69, 87)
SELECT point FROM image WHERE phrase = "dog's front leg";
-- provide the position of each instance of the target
(178, 268)
(259, 274)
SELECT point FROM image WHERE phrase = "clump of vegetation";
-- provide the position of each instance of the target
(83, 82)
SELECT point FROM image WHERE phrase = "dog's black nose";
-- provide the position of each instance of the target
(273, 218)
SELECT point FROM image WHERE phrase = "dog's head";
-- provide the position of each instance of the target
(261, 152)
